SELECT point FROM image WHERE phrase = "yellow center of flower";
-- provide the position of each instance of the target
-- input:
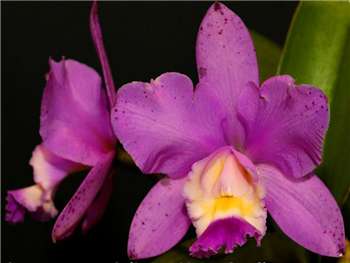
(219, 187)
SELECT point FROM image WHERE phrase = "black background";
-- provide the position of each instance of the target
(143, 40)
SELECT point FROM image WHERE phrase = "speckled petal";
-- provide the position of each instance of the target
(305, 210)
(49, 170)
(226, 62)
(165, 126)
(75, 120)
(223, 233)
(284, 125)
(160, 221)
(96, 210)
(76, 208)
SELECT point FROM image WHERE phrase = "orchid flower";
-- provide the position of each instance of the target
(76, 134)
(232, 151)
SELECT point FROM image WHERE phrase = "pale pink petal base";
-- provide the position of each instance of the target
(223, 234)
(49, 170)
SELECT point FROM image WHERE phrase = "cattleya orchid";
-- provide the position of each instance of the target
(231, 151)
(76, 134)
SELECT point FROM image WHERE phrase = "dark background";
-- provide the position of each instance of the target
(143, 40)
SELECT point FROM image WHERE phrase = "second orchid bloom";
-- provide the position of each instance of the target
(232, 151)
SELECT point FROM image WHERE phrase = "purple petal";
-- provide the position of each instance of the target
(160, 221)
(226, 62)
(82, 199)
(32, 199)
(284, 124)
(15, 211)
(164, 126)
(98, 40)
(223, 233)
(305, 210)
(98, 206)
(75, 120)
(49, 170)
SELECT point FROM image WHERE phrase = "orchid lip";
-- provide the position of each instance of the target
(219, 187)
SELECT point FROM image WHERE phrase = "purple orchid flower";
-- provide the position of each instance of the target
(76, 134)
(232, 151)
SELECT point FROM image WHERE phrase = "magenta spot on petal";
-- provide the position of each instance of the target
(132, 254)
(202, 72)
(217, 6)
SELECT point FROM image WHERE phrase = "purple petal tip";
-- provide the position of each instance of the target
(14, 211)
(224, 233)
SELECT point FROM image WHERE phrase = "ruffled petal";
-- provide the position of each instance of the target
(305, 210)
(160, 221)
(285, 125)
(32, 199)
(75, 120)
(223, 233)
(49, 170)
(164, 126)
(224, 184)
(226, 62)
(77, 206)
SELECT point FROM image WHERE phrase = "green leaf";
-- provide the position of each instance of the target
(317, 52)
(268, 54)
(274, 248)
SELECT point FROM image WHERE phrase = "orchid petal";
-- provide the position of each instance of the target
(49, 170)
(160, 221)
(164, 126)
(305, 210)
(285, 125)
(98, 206)
(82, 199)
(74, 115)
(226, 61)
